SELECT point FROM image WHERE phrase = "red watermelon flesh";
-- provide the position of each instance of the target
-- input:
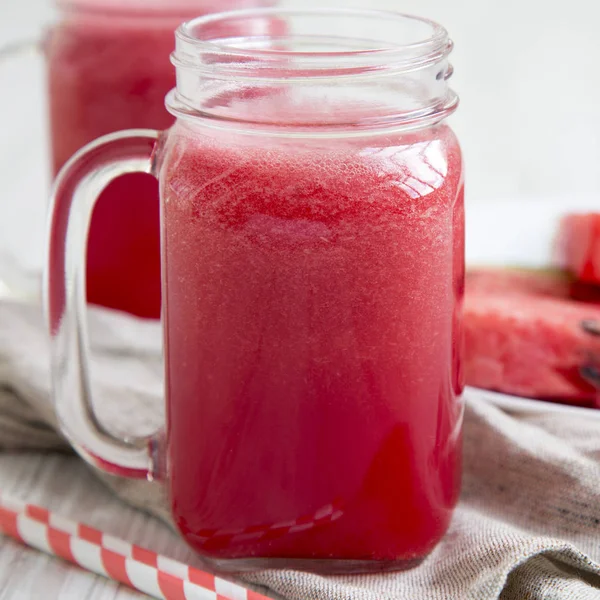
(523, 335)
(537, 282)
(578, 246)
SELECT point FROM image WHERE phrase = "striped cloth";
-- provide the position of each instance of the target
(527, 526)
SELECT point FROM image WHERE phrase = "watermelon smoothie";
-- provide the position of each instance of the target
(108, 70)
(312, 294)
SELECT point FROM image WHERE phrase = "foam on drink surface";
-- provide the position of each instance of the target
(311, 312)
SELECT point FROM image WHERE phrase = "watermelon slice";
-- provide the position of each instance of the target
(525, 336)
(515, 280)
(555, 283)
(578, 246)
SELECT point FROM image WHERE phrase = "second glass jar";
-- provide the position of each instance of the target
(109, 69)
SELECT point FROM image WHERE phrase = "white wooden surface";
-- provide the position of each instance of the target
(64, 484)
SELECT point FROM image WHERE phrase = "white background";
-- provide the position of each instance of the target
(529, 121)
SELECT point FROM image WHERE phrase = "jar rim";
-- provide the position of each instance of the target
(414, 54)
(363, 68)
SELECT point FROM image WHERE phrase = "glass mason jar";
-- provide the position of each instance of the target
(313, 261)
(108, 69)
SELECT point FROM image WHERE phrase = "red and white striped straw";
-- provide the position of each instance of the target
(91, 549)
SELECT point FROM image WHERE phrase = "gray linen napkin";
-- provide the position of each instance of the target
(527, 526)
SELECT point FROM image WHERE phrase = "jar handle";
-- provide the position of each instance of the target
(74, 195)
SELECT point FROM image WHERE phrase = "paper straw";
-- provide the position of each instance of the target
(93, 550)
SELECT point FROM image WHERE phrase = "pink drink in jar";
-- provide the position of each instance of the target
(109, 69)
(317, 286)
(312, 228)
